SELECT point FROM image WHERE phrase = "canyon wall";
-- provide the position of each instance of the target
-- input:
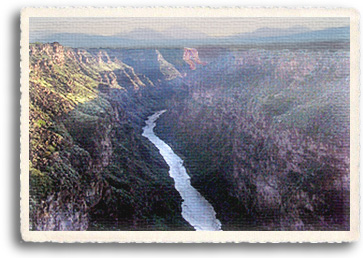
(90, 169)
(265, 137)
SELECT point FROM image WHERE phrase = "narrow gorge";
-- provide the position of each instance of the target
(252, 139)
(195, 209)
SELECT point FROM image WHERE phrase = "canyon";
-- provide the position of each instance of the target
(263, 133)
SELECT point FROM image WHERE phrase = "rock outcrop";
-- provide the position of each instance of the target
(166, 68)
(191, 57)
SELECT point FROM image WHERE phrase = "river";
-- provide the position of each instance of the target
(196, 210)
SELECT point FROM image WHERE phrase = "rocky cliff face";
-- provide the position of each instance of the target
(89, 166)
(265, 136)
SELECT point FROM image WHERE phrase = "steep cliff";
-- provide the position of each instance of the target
(265, 137)
(89, 166)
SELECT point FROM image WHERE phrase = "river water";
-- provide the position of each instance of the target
(195, 208)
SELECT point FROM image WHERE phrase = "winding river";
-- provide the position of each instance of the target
(196, 210)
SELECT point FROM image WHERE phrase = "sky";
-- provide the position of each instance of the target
(216, 27)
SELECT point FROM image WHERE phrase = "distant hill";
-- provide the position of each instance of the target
(330, 34)
(172, 38)
(183, 33)
(273, 32)
(142, 34)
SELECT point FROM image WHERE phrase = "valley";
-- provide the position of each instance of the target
(263, 133)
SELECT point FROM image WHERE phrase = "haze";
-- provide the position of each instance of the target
(215, 27)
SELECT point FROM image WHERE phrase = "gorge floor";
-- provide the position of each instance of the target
(195, 208)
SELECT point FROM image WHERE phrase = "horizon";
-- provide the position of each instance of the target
(174, 28)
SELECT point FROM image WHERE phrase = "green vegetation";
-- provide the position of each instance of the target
(89, 166)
